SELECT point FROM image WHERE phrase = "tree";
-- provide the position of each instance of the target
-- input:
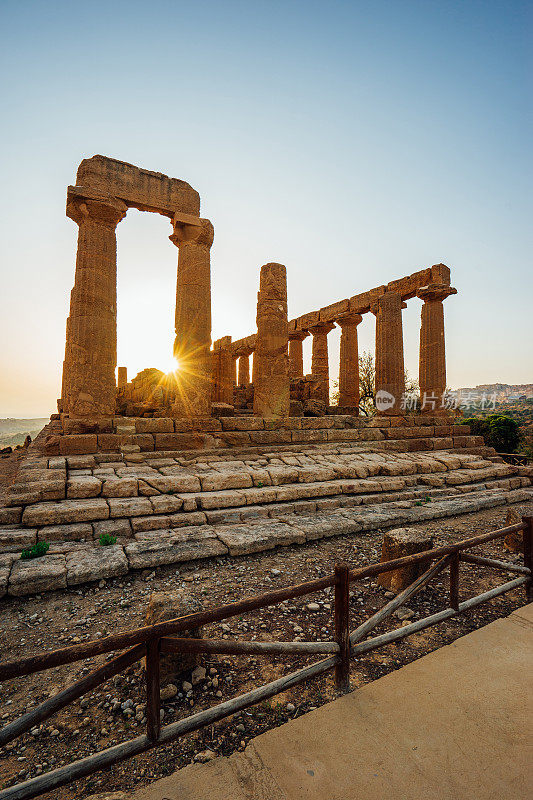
(498, 431)
(367, 384)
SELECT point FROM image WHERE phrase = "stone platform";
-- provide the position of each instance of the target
(149, 434)
(166, 506)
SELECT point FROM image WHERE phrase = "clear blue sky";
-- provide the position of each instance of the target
(354, 142)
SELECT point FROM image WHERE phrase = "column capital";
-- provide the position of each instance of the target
(199, 232)
(83, 204)
(321, 328)
(298, 336)
(349, 318)
(435, 291)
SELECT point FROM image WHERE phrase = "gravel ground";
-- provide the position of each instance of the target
(115, 712)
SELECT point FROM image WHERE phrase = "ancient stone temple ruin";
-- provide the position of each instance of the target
(223, 457)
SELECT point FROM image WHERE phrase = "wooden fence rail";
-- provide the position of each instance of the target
(150, 642)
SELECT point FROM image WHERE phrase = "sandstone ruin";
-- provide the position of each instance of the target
(216, 458)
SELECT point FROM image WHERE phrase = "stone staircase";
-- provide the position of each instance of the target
(167, 506)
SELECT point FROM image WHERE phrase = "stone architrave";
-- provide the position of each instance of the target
(390, 373)
(271, 359)
(319, 357)
(296, 357)
(223, 371)
(192, 346)
(122, 377)
(89, 384)
(432, 361)
(349, 360)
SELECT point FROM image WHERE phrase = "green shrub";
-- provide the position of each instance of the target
(498, 430)
(107, 538)
(35, 551)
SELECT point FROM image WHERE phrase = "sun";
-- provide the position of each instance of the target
(169, 364)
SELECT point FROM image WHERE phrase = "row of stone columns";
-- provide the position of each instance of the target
(89, 387)
(389, 352)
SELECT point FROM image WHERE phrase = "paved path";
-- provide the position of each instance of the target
(455, 725)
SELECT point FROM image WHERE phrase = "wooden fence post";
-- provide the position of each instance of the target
(153, 701)
(528, 555)
(454, 580)
(342, 626)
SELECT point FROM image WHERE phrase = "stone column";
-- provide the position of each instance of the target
(432, 363)
(319, 358)
(271, 359)
(296, 356)
(224, 371)
(89, 385)
(122, 377)
(390, 373)
(193, 317)
(244, 368)
(349, 360)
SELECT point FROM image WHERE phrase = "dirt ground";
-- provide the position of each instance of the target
(105, 717)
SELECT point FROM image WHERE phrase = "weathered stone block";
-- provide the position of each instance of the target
(78, 444)
(178, 547)
(65, 512)
(76, 532)
(178, 441)
(166, 504)
(397, 544)
(16, 539)
(38, 575)
(10, 516)
(253, 538)
(95, 563)
(115, 527)
(235, 438)
(129, 506)
(242, 423)
(221, 499)
(172, 484)
(144, 440)
(270, 437)
(217, 481)
(120, 487)
(154, 425)
(84, 486)
(164, 606)
(109, 442)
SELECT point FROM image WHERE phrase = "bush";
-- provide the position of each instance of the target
(498, 431)
(35, 551)
(107, 538)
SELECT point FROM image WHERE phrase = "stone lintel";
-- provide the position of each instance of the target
(360, 303)
(304, 322)
(331, 312)
(224, 343)
(137, 187)
(246, 344)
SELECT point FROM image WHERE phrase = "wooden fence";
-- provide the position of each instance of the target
(150, 642)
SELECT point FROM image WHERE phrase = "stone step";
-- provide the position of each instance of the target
(126, 527)
(129, 496)
(167, 476)
(71, 564)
